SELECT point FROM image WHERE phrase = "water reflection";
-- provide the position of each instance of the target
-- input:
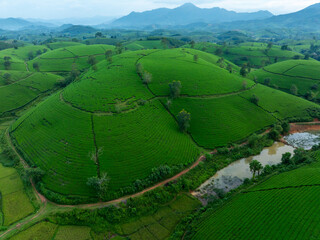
(233, 175)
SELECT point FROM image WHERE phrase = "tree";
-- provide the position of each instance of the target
(147, 77)
(139, 69)
(255, 167)
(294, 90)
(270, 44)
(109, 59)
(221, 62)
(30, 55)
(196, 57)
(175, 89)
(74, 72)
(108, 54)
(286, 158)
(274, 134)
(92, 60)
(285, 127)
(184, 120)
(99, 184)
(35, 174)
(218, 52)
(229, 68)
(119, 48)
(7, 78)
(7, 63)
(267, 81)
(255, 99)
(243, 70)
(36, 66)
(244, 85)
(284, 47)
(6, 58)
(192, 43)
(164, 42)
(98, 35)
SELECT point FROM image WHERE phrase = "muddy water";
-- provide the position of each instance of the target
(303, 140)
(233, 175)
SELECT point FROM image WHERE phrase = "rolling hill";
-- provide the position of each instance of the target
(304, 74)
(63, 59)
(111, 112)
(254, 53)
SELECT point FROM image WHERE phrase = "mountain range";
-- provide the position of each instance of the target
(184, 15)
(187, 16)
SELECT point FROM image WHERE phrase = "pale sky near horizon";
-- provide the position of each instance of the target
(58, 9)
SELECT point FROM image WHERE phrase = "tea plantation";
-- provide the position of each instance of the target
(128, 125)
(304, 74)
(283, 207)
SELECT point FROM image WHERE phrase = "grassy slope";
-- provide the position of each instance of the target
(100, 90)
(57, 45)
(62, 59)
(57, 146)
(302, 73)
(216, 122)
(140, 45)
(289, 213)
(23, 52)
(280, 104)
(21, 92)
(201, 78)
(250, 52)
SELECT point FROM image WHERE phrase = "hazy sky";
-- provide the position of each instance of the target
(49, 9)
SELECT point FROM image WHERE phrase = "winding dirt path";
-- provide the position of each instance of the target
(44, 200)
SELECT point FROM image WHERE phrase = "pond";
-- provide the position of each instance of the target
(234, 174)
(303, 140)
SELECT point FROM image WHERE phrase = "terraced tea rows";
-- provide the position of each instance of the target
(100, 90)
(276, 214)
(138, 141)
(219, 121)
(282, 207)
(22, 92)
(197, 78)
(255, 54)
(61, 148)
(302, 73)
(280, 104)
(112, 110)
(62, 59)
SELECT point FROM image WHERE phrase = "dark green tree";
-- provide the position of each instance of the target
(36, 66)
(294, 90)
(196, 57)
(175, 89)
(184, 120)
(255, 99)
(99, 184)
(92, 60)
(255, 167)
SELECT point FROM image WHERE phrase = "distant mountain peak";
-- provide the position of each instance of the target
(188, 5)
